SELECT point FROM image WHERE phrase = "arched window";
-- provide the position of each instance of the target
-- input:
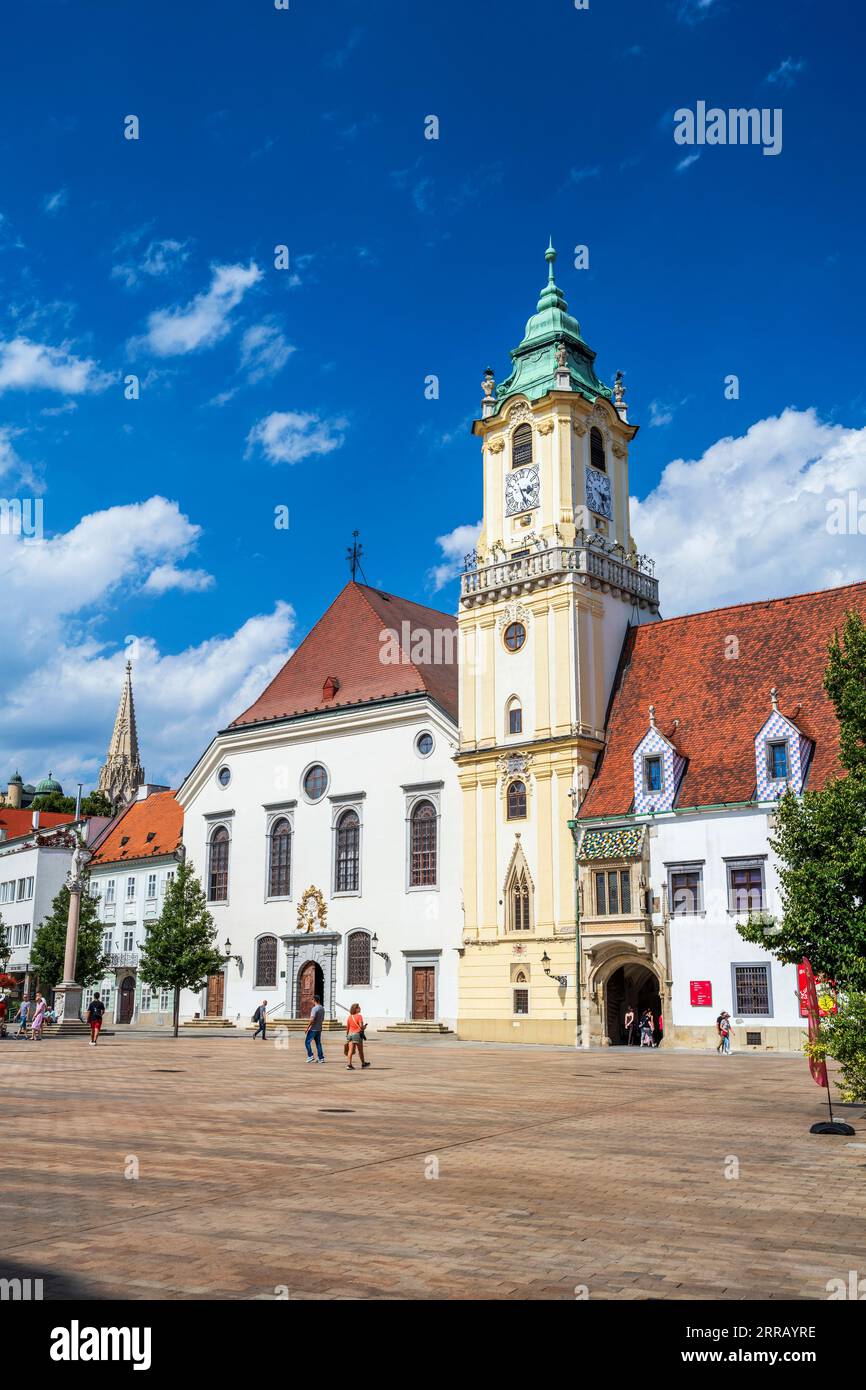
(516, 800)
(519, 903)
(347, 864)
(422, 867)
(218, 866)
(266, 962)
(280, 869)
(514, 721)
(521, 446)
(596, 450)
(358, 958)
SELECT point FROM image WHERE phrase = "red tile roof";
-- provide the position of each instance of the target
(158, 815)
(347, 643)
(21, 822)
(681, 667)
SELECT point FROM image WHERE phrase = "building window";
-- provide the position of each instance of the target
(746, 888)
(165, 999)
(521, 1002)
(653, 776)
(515, 716)
(424, 744)
(224, 776)
(516, 800)
(752, 990)
(515, 636)
(7, 891)
(519, 900)
(280, 870)
(521, 446)
(110, 890)
(777, 760)
(358, 958)
(613, 893)
(422, 866)
(218, 866)
(596, 450)
(145, 1003)
(347, 866)
(686, 891)
(129, 941)
(25, 889)
(266, 962)
(315, 782)
(21, 935)
(107, 938)
(151, 886)
(130, 889)
(169, 878)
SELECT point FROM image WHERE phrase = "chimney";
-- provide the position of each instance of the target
(36, 815)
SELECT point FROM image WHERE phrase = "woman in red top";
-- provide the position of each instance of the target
(355, 1036)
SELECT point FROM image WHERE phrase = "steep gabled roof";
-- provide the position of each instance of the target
(159, 817)
(714, 672)
(348, 643)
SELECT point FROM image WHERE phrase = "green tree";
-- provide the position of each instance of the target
(96, 804)
(54, 801)
(181, 948)
(49, 943)
(820, 840)
(5, 945)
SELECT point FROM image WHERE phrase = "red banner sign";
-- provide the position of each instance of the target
(825, 990)
(701, 994)
(809, 992)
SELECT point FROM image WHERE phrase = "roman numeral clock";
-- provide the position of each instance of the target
(522, 490)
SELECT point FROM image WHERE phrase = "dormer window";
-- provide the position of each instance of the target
(777, 760)
(329, 689)
(521, 446)
(653, 774)
(596, 450)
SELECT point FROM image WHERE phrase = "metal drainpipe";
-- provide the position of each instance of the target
(578, 1041)
(669, 979)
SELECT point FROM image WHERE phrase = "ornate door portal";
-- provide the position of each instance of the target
(309, 983)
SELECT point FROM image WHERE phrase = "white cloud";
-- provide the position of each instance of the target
(29, 366)
(288, 436)
(61, 681)
(166, 577)
(455, 546)
(786, 74)
(751, 518)
(159, 258)
(687, 163)
(264, 351)
(693, 11)
(53, 202)
(205, 319)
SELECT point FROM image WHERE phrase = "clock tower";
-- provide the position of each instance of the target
(545, 603)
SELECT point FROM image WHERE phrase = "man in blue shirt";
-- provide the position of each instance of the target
(314, 1030)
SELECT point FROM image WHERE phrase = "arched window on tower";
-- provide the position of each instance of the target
(266, 962)
(516, 800)
(280, 871)
(358, 958)
(218, 866)
(348, 857)
(514, 716)
(596, 450)
(422, 857)
(521, 446)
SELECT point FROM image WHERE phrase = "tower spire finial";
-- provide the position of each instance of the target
(550, 257)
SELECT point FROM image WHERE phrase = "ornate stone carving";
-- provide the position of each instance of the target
(513, 764)
(619, 449)
(546, 427)
(312, 910)
(579, 427)
(513, 613)
(496, 446)
(519, 413)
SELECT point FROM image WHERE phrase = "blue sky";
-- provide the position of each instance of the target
(407, 257)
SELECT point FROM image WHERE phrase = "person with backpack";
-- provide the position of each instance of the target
(95, 1012)
(260, 1019)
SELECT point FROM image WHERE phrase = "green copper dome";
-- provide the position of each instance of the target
(535, 359)
(47, 785)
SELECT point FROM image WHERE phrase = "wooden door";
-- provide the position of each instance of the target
(127, 1000)
(423, 993)
(215, 995)
(306, 989)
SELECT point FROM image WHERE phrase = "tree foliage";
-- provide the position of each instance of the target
(843, 1036)
(49, 943)
(820, 840)
(181, 948)
(5, 945)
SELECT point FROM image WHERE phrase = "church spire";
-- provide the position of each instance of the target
(122, 774)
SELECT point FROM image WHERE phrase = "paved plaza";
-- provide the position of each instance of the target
(447, 1170)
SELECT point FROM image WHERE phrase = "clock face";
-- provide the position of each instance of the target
(598, 493)
(521, 490)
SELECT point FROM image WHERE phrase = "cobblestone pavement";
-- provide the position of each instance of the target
(446, 1170)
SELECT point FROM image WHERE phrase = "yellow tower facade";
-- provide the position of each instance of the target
(544, 606)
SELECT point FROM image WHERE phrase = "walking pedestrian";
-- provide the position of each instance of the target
(94, 1017)
(38, 1018)
(355, 1037)
(646, 1029)
(628, 1025)
(4, 1012)
(21, 1018)
(260, 1019)
(723, 1027)
(314, 1031)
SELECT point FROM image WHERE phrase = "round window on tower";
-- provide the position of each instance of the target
(514, 636)
(224, 776)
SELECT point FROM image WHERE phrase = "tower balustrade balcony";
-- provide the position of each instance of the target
(592, 559)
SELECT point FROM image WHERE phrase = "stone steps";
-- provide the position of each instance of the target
(207, 1023)
(436, 1030)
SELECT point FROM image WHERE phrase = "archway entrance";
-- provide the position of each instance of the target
(634, 986)
(126, 999)
(310, 981)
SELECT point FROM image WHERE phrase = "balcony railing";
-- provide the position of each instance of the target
(117, 958)
(602, 563)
